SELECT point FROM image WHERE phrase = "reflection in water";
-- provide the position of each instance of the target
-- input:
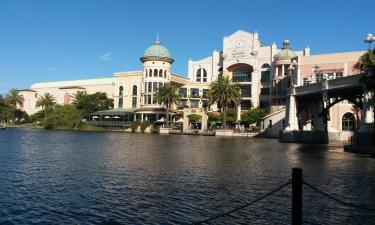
(87, 178)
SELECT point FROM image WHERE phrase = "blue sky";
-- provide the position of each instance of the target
(48, 40)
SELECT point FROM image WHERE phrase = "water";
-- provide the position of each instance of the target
(90, 178)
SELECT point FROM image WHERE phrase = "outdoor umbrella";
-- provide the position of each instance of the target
(116, 117)
(95, 117)
(107, 117)
(161, 120)
(181, 120)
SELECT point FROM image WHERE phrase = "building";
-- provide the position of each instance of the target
(264, 73)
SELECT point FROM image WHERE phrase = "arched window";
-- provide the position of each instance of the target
(155, 72)
(160, 73)
(204, 75)
(150, 73)
(135, 89)
(145, 73)
(199, 75)
(121, 91)
(348, 122)
(242, 74)
(165, 74)
(265, 74)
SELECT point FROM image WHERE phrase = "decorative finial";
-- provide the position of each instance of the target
(157, 38)
(286, 44)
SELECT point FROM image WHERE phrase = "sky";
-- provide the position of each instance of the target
(52, 40)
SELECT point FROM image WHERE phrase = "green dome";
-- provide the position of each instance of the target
(286, 53)
(157, 50)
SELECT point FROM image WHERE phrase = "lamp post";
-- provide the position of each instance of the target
(316, 67)
(369, 39)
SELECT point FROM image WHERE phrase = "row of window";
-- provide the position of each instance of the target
(194, 93)
(156, 73)
(321, 76)
(151, 87)
(121, 102)
(121, 90)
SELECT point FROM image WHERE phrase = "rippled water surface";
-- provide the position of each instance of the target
(90, 178)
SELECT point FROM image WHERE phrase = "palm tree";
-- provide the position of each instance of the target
(223, 92)
(366, 66)
(45, 101)
(14, 100)
(79, 96)
(167, 94)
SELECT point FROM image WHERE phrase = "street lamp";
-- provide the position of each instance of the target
(369, 39)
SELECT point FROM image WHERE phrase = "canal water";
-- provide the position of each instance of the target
(60, 177)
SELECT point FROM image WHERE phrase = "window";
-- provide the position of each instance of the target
(134, 102)
(205, 93)
(121, 91)
(242, 75)
(160, 73)
(265, 75)
(135, 90)
(154, 86)
(150, 73)
(145, 73)
(194, 93)
(199, 75)
(194, 104)
(264, 91)
(120, 102)
(339, 74)
(36, 95)
(165, 74)
(155, 72)
(245, 104)
(264, 104)
(204, 75)
(182, 92)
(348, 122)
(306, 81)
(319, 77)
(270, 123)
(246, 91)
(149, 87)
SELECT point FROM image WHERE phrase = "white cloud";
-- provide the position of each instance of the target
(52, 68)
(106, 57)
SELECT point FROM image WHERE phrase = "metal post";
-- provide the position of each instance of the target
(296, 196)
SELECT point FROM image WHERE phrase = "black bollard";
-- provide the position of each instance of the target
(296, 196)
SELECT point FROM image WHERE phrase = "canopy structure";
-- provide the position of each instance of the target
(112, 118)
(161, 120)
(181, 120)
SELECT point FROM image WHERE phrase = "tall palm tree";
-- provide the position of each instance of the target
(223, 92)
(45, 101)
(79, 96)
(366, 66)
(167, 94)
(14, 100)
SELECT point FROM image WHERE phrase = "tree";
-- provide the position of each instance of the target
(223, 92)
(45, 101)
(4, 109)
(168, 95)
(253, 116)
(366, 66)
(63, 117)
(14, 99)
(92, 103)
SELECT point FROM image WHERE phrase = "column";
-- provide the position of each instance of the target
(239, 112)
(367, 115)
(319, 122)
(282, 70)
(291, 113)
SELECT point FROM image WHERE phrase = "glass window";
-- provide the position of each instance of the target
(155, 72)
(150, 73)
(348, 122)
(182, 92)
(242, 75)
(149, 87)
(246, 91)
(165, 74)
(121, 91)
(194, 93)
(265, 91)
(134, 102)
(306, 81)
(338, 74)
(265, 74)
(194, 104)
(205, 93)
(155, 86)
(319, 77)
(135, 90)
(245, 104)
(120, 102)
(204, 75)
(199, 75)
(160, 73)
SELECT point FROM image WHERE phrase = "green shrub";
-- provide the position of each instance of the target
(134, 125)
(144, 125)
(63, 117)
(255, 128)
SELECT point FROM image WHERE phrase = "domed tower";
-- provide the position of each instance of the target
(281, 79)
(157, 62)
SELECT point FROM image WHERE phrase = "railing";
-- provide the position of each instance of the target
(109, 123)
